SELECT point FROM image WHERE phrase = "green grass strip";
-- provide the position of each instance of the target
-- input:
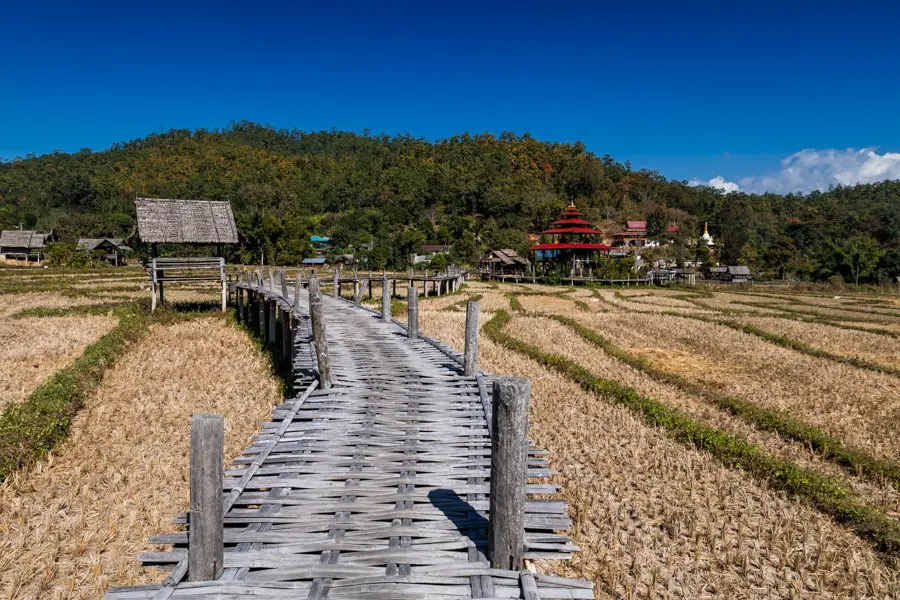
(514, 303)
(825, 493)
(462, 303)
(31, 429)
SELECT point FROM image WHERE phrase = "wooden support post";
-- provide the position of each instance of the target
(470, 357)
(239, 304)
(336, 291)
(369, 279)
(297, 287)
(509, 463)
(412, 313)
(270, 321)
(317, 316)
(262, 307)
(153, 287)
(394, 293)
(385, 300)
(284, 285)
(206, 548)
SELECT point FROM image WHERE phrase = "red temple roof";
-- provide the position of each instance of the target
(587, 230)
(570, 246)
(571, 222)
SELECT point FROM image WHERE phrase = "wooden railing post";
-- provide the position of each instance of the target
(317, 316)
(412, 313)
(385, 299)
(336, 286)
(225, 285)
(284, 284)
(206, 548)
(270, 321)
(360, 290)
(297, 288)
(509, 472)
(470, 357)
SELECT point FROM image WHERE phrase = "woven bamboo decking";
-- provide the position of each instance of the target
(375, 488)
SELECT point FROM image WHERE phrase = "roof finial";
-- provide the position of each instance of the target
(571, 204)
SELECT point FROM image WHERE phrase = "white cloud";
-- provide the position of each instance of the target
(811, 169)
(719, 183)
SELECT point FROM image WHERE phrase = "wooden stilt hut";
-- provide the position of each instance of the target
(190, 222)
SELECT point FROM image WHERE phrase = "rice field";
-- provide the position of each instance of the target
(73, 525)
(656, 518)
(32, 349)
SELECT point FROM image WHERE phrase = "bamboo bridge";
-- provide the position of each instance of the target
(395, 468)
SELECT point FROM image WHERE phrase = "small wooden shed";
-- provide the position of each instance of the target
(194, 222)
(114, 249)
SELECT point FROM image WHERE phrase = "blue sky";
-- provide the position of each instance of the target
(694, 90)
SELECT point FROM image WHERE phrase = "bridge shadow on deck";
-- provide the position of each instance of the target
(462, 514)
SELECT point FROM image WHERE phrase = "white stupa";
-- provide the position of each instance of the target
(706, 238)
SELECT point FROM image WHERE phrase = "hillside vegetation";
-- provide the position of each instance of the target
(474, 190)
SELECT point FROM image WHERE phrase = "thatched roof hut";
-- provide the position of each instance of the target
(185, 221)
(23, 240)
(91, 244)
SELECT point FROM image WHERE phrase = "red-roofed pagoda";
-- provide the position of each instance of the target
(573, 241)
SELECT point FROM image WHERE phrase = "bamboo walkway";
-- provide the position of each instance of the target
(375, 488)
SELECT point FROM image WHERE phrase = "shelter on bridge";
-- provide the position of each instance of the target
(192, 222)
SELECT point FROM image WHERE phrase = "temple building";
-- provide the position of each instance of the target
(573, 243)
(635, 234)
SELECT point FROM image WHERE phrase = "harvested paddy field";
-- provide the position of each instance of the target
(875, 348)
(73, 525)
(859, 406)
(32, 349)
(10, 304)
(657, 519)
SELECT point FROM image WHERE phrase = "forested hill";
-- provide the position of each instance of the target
(400, 192)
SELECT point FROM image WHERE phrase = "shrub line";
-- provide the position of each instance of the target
(825, 493)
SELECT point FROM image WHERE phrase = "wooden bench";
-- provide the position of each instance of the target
(162, 270)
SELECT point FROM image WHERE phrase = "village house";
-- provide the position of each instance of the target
(502, 262)
(429, 251)
(28, 246)
(112, 250)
